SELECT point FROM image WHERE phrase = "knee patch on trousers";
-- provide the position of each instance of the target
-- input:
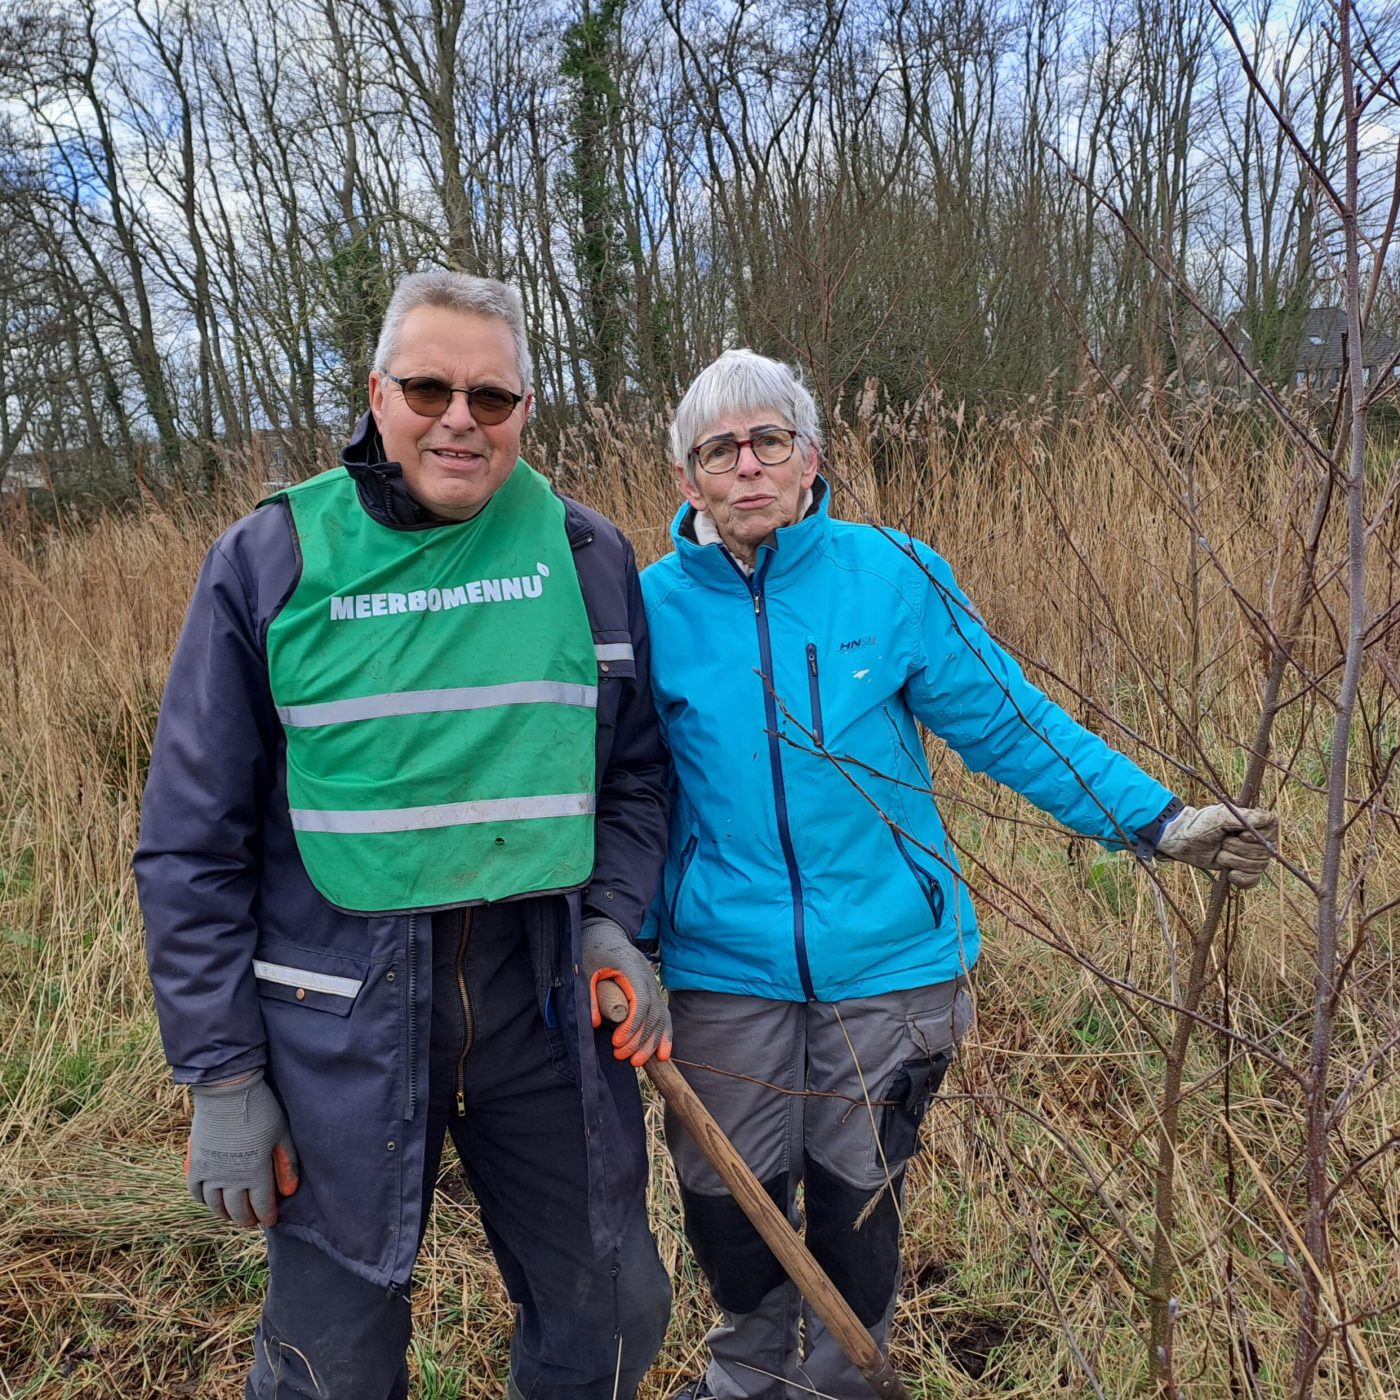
(740, 1268)
(863, 1262)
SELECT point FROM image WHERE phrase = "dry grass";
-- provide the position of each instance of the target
(1029, 1216)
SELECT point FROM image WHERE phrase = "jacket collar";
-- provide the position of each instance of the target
(384, 493)
(785, 552)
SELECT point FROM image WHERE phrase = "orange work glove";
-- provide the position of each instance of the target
(608, 954)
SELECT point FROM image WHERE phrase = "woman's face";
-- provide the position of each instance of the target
(750, 501)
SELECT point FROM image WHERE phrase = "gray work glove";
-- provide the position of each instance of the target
(240, 1154)
(609, 955)
(1215, 838)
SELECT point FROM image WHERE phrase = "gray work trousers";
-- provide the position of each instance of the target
(829, 1096)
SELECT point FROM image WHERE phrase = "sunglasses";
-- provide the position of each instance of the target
(430, 397)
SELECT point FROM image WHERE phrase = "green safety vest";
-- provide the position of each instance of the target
(437, 688)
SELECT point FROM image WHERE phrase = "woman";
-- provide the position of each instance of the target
(815, 933)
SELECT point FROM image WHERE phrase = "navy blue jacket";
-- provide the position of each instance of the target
(222, 885)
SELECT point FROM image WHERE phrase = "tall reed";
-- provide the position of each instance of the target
(1030, 1216)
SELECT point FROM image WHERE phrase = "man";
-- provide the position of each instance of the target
(815, 931)
(407, 805)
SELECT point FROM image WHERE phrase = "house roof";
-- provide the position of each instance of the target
(1320, 344)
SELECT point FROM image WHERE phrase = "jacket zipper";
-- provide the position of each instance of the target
(775, 764)
(412, 1016)
(468, 1020)
(815, 691)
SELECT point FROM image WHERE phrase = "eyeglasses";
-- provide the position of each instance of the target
(430, 397)
(772, 447)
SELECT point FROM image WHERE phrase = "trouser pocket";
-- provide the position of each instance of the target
(905, 1102)
(932, 1030)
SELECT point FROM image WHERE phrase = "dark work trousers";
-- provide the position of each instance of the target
(587, 1328)
(829, 1096)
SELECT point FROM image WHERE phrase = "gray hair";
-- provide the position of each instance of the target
(741, 381)
(457, 291)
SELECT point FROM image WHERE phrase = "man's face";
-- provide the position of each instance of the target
(752, 500)
(451, 464)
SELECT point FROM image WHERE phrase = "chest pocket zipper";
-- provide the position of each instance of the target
(815, 691)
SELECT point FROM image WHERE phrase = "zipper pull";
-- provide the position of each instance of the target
(812, 661)
(757, 603)
(461, 1105)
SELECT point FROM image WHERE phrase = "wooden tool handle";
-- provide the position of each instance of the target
(855, 1340)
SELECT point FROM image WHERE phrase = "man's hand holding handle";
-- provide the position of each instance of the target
(608, 954)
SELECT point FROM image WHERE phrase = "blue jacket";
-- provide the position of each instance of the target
(222, 885)
(789, 702)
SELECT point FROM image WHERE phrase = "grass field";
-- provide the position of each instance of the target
(1030, 1216)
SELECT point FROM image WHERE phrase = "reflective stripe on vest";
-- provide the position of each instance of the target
(428, 702)
(437, 690)
(500, 809)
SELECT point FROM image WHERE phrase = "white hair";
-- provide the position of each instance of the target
(457, 291)
(741, 381)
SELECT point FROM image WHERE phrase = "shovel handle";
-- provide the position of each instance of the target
(855, 1340)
